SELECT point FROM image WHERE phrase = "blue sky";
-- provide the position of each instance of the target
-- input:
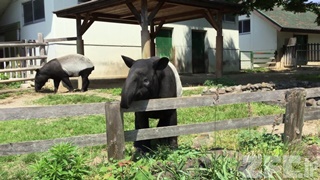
(318, 1)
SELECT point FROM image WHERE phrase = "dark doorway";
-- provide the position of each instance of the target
(164, 43)
(198, 54)
(301, 49)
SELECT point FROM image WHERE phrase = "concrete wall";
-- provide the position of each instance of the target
(106, 42)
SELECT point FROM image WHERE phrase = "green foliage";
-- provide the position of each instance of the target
(220, 82)
(113, 91)
(40, 129)
(63, 162)
(221, 166)
(196, 91)
(257, 70)
(308, 77)
(4, 95)
(56, 99)
(252, 141)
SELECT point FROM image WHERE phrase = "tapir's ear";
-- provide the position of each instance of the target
(129, 62)
(37, 70)
(161, 63)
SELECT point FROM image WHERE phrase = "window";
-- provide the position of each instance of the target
(33, 11)
(244, 26)
(229, 18)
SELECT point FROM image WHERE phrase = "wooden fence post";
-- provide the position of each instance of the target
(115, 131)
(293, 122)
(42, 49)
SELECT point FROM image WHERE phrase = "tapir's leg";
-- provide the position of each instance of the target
(169, 118)
(141, 122)
(85, 80)
(56, 84)
(67, 81)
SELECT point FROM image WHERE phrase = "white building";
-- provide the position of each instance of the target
(272, 30)
(106, 42)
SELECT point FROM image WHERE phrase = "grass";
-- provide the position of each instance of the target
(309, 77)
(164, 163)
(56, 99)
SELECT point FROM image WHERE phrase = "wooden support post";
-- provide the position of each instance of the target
(219, 48)
(80, 45)
(115, 131)
(145, 35)
(296, 100)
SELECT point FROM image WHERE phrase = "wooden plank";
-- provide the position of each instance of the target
(22, 58)
(44, 145)
(22, 45)
(296, 101)
(115, 132)
(169, 131)
(61, 39)
(27, 113)
(311, 114)
(183, 102)
(15, 80)
(313, 92)
(20, 69)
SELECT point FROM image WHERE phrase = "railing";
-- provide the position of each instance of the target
(19, 59)
(253, 59)
(301, 54)
(116, 136)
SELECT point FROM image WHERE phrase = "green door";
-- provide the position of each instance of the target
(198, 54)
(164, 43)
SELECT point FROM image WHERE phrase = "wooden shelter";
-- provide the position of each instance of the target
(151, 15)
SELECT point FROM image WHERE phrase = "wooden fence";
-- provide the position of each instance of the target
(115, 137)
(253, 59)
(301, 54)
(18, 60)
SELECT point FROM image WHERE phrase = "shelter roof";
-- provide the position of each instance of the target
(125, 11)
(291, 22)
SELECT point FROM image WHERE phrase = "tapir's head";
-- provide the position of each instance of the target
(143, 79)
(40, 80)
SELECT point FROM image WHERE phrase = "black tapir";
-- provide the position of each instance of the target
(61, 68)
(148, 79)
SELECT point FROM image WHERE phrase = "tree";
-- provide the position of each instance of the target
(296, 6)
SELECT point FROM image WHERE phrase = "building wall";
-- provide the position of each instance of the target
(106, 42)
(262, 36)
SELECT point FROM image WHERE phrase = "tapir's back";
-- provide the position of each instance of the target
(74, 63)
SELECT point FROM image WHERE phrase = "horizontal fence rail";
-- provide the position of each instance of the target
(26, 113)
(19, 59)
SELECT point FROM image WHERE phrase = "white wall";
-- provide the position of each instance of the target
(106, 42)
(262, 36)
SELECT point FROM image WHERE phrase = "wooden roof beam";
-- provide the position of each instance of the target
(155, 11)
(87, 22)
(134, 11)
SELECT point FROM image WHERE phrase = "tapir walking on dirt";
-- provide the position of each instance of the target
(61, 68)
(149, 79)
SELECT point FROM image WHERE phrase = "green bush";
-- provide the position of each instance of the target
(63, 162)
(220, 82)
(261, 143)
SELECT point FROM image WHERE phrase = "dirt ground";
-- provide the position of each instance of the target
(311, 127)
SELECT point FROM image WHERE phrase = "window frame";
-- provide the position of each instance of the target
(241, 26)
(225, 19)
(33, 11)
